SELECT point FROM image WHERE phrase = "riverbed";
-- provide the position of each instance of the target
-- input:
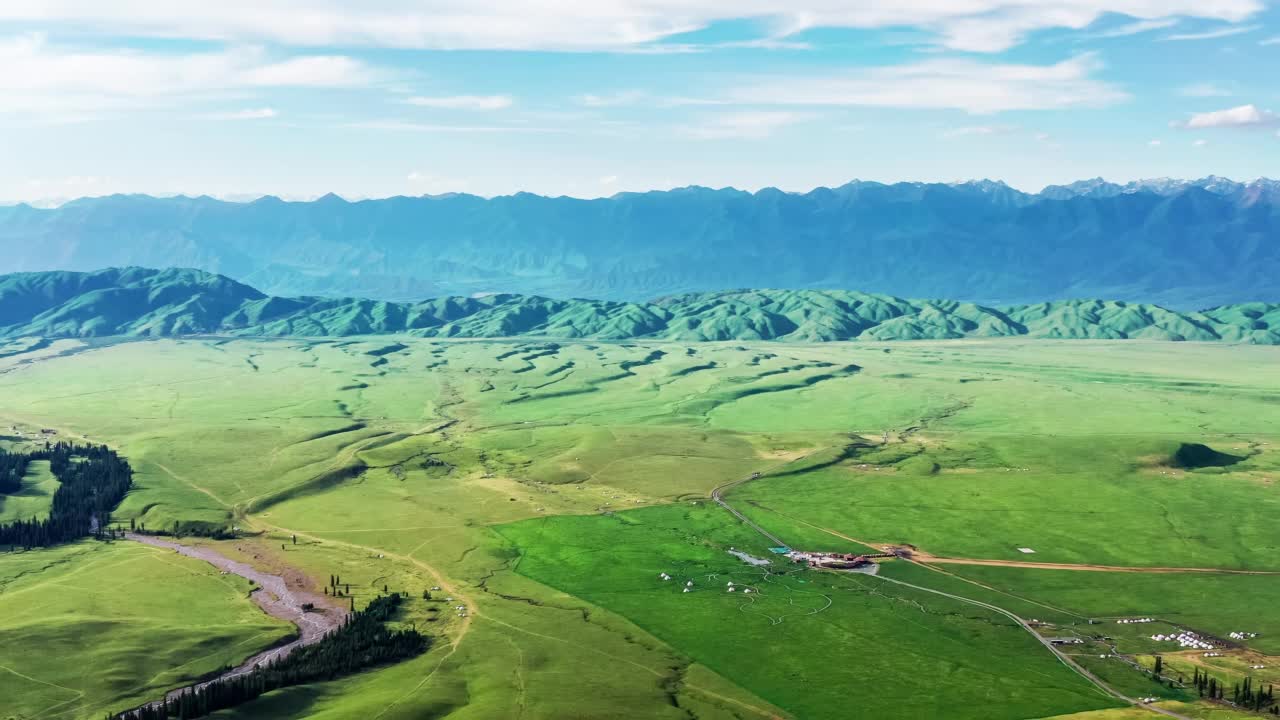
(272, 595)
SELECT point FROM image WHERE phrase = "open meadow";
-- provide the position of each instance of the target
(542, 487)
(90, 627)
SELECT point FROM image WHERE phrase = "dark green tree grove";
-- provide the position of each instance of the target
(92, 480)
(363, 641)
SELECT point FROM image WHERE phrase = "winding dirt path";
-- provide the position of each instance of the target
(273, 596)
(923, 557)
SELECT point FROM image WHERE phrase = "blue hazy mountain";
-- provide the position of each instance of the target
(1183, 244)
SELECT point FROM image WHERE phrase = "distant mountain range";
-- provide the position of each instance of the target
(1184, 244)
(139, 302)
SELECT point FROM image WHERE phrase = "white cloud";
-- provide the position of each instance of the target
(975, 25)
(37, 76)
(769, 43)
(1214, 34)
(1271, 41)
(1243, 116)
(1135, 28)
(616, 99)
(409, 126)
(1154, 143)
(981, 130)
(1203, 90)
(745, 125)
(609, 180)
(464, 102)
(960, 84)
(247, 114)
(429, 184)
(1200, 143)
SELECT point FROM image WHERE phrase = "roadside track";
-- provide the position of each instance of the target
(718, 495)
(1063, 657)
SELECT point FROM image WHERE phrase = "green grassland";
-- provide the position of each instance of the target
(547, 483)
(1199, 711)
(35, 496)
(91, 627)
(804, 640)
(1113, 500)
(1217, 604)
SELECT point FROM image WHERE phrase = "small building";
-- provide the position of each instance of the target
(1064, 641)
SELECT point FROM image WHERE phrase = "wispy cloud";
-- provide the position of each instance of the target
(431, 184)
(974, 25)
(1154, 143)
(410, 126)
(463, 102)
(768, 43)
(38, 76)
(1270, 41)
(620, 98)
(629, 98)
(1243, 116)
(1135, 28)
(1214, 34)
(980, 130)
(1203, 90)
(246, 114)
(745, 125)
(959, 84)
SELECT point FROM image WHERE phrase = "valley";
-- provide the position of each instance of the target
(475, 472)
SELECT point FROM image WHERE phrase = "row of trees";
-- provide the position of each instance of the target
(13, 466)
(1242, 694)
(1246, 696)
(92, 479)
(190, 528)
(363, 641)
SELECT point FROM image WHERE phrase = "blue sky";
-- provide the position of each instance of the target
(383, 97)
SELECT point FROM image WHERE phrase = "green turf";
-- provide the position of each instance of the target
(35, 496)
(1217, 604)
(857, 630)
(462, 458)
(91, 627)
(1106, 499)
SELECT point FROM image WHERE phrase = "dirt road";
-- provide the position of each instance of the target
(923, 557)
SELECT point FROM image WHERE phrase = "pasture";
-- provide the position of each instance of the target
(545, 484)
(92, 627)
(33, 498)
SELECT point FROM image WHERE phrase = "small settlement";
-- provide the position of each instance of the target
(835, 561)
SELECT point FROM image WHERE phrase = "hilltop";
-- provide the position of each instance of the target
(1183, 244)
(139, 302)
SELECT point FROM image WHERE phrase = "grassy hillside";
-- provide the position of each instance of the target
(545, 484)
(135, 302)
(91, 627)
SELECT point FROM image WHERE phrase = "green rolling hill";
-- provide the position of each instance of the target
(140, 302)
